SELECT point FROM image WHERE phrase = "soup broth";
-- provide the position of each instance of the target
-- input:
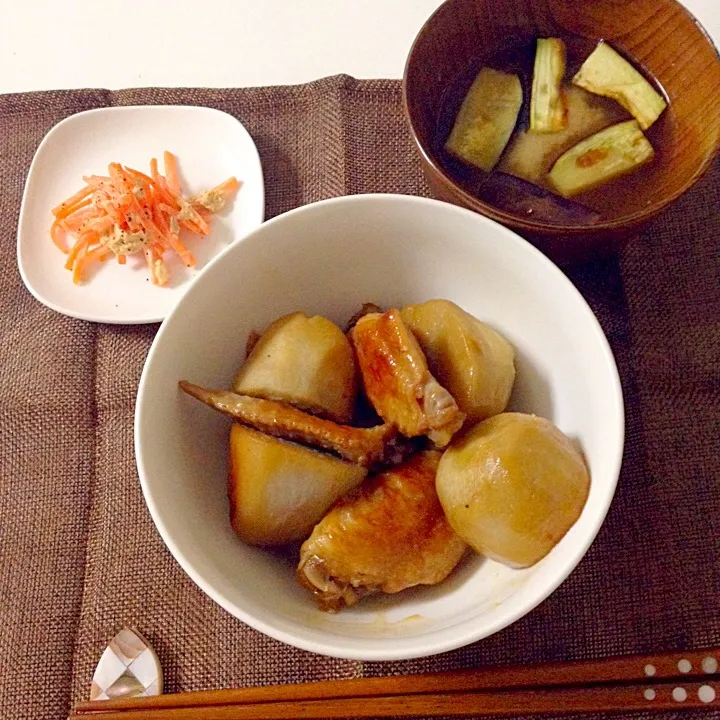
(530, 156)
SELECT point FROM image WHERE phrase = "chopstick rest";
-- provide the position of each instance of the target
(128, 668)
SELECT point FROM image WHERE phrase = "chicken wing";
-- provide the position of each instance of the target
(366, 309)
(365, 446)
(388, 535)
(397, 380)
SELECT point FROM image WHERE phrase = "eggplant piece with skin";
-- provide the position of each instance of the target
(364, 446)
(607, 73)
(525, 199)
(279, 490)
(486, 119)
(530, 155)
(304, 361)
(609, 154)
(548, 109)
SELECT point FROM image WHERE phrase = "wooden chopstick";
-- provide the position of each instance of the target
(642, 682)
(596, 698)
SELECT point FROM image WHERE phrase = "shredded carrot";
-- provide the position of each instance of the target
(99, 253)
(73, 223)
(79, 247)
(119, 177)
(167, 209)
(204, 213)
(97, 181)
(128, 211)
(99, 224)
(79, 264)
(66, 209)
(171, 172)
(71, 202)
(139, 175)
(174, 241)
(144, 218)
(57, 233)
(227, 188)
(161, 185)
(195, 222)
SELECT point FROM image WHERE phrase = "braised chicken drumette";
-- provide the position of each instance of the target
(398, 382)
(389, 534)
(365, 446)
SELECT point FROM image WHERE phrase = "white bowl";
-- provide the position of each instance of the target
(210, 146)
(328, 258)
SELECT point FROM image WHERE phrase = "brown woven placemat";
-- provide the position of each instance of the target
(80, 558)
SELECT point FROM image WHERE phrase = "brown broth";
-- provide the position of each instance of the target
(602, 111)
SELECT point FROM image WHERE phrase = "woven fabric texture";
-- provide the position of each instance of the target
(80, 557)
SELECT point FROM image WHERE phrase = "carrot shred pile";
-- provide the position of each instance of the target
(127, 212)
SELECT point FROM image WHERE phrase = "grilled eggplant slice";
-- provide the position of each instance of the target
(548, 109)
(606, 72)
(486, 119)
(531, 155)
(615, 151)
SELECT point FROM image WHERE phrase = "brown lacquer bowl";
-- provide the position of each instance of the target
(660, 37)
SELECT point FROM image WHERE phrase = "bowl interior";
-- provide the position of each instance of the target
(659, 36)
(328, 258)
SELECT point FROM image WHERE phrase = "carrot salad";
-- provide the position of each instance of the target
(127, 212)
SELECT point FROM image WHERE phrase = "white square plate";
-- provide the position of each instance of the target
(210, 146)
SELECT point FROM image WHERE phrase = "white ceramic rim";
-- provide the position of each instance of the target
(89, 317)
(429, 644)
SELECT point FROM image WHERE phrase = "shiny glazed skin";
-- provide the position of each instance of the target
(388, 535)
(365, 446)
(398, 382)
